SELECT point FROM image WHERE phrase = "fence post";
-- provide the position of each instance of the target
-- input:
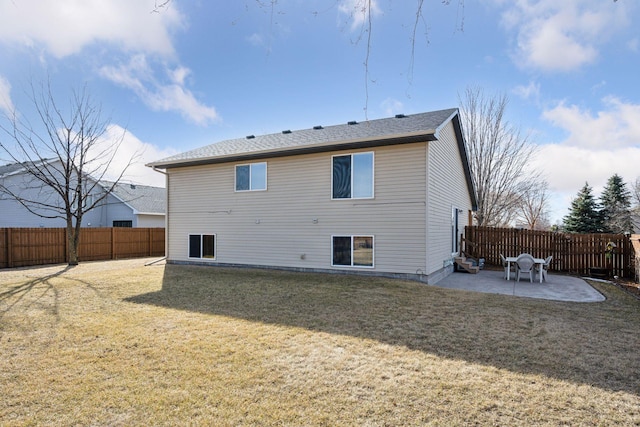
(113, 243)
(9, 249)
(66, 245)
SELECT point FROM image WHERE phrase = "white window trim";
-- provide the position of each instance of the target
(373, 176)
(215, 246)
(235, 177)
(373, 252)
(455, 228)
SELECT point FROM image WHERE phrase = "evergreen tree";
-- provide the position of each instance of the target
(584, 214)
(616, 206)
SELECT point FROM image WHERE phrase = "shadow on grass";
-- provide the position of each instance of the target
(15, 294)
(36, 290)
(593, 344)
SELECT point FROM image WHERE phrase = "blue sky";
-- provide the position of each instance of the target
(197, 72)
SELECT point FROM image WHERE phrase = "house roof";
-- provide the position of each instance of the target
(395, 130)
(143, 199)
(10, 168)
(400, 129)
(18, 167)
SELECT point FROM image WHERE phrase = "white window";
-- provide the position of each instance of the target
(352, 251)
(455, 232)
(202, 246)
(251, 177)
(352, 176)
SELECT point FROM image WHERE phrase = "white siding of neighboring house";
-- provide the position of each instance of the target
(149, 220)
(447, 189)
(276, 227)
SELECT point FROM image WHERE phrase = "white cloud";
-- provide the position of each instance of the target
(532, 90)
(567, 168)
(617, 126)
(392, 106)
(561, 35)
(69, 27)
(256, 39)
(6, 104)
(357, 11)
(132, 148)
(139, 76)
(66, 27)
(598, 145)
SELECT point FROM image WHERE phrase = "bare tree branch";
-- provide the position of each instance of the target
(498, 156)
(63, 160)
(534, 198)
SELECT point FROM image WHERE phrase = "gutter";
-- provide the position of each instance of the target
(421, 136)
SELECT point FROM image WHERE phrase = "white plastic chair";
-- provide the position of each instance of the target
(545, 267)
(506, 266)
(525, 265)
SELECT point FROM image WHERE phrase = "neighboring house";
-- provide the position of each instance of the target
(133, 205)
(387, 197)
(128, 205)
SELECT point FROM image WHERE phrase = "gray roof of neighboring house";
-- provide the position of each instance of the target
(10, 168)
(143, 199)
(394, 130)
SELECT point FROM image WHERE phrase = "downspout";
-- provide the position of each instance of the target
(166, 213)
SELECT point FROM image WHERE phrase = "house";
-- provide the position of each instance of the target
(132, 205)
(127, 205)
(384, 197)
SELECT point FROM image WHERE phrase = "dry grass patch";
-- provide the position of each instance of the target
(118, 343)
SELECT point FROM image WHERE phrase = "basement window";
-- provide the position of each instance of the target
(202, 246)
(123, 223)
(352, 251)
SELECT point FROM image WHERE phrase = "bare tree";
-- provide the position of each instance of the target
(534, 205)
(63, 160)
(635, 204)
(498, 157)
(635, 192)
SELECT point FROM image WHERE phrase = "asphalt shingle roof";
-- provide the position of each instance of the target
(10, 168)
(142, 198)
(329, 136)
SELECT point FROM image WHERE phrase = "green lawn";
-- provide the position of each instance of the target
(120, 343)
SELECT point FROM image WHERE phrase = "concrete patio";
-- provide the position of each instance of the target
(557, 287)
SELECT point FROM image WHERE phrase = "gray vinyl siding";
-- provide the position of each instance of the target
(276, 227)
(117, 211)
(447, 188)
(13, 214)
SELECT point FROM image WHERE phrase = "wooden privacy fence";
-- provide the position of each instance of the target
(572, 253)
(21, 247)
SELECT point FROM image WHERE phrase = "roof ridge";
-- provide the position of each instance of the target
(318, 138)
